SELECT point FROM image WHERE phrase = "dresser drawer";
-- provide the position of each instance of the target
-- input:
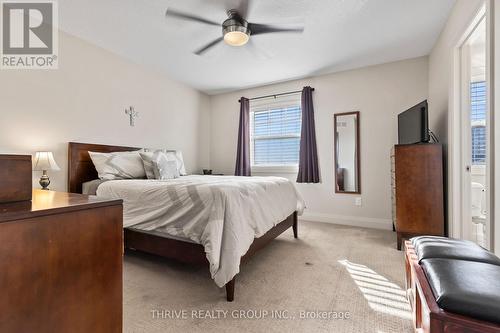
(15, 178)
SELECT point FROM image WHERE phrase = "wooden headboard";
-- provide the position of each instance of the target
(80, 166)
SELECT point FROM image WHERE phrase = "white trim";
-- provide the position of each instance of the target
(271, 137)
(466, 137)
(455, 166)
(275, 169)
(454, 153)
(355, 221)
(494, 94)
(489, 128)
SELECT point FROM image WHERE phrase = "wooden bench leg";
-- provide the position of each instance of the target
(295, 226)
(230, 290)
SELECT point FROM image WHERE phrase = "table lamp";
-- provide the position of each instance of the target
(44, 161)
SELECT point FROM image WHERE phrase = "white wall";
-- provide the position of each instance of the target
(379, 93)
(441, 91)
(84, 100)
(441, 65)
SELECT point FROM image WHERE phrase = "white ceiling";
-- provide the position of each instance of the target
(339, 35)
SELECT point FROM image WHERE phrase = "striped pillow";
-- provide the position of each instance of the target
(118, 165)
(158, 165)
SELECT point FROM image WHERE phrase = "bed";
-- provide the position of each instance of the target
(227, 239)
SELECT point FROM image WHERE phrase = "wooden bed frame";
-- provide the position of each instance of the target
(428, 317)
(81, 169)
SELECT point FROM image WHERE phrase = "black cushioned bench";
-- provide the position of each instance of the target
(460, 278)
(427, 247)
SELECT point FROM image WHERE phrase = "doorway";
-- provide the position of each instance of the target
(474, 133)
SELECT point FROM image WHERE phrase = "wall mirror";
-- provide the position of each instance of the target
(346, 151)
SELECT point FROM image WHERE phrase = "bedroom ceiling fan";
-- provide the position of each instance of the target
(236, 31)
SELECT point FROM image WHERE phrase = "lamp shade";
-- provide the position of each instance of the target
(44, 160)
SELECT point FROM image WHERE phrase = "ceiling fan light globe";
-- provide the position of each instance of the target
(236, 38)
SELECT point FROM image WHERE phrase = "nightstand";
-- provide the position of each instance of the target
(61, 264)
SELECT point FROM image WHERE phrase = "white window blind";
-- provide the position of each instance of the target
(478, 120)
(275, 132)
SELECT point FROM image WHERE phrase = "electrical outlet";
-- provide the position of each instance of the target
(357, 201)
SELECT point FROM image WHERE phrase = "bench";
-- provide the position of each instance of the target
(452, 285)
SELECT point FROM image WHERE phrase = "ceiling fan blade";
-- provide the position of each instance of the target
(208, 46)
(259, 29)
(189, 17)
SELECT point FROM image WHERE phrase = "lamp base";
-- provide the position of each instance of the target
(44, 181)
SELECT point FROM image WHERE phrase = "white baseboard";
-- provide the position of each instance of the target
(356, 221)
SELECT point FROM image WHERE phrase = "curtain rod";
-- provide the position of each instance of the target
(275, 95)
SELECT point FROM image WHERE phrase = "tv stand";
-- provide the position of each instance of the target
(419, 190)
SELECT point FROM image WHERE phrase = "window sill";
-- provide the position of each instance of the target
(278, 169)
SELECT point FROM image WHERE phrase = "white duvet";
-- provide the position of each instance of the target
(223, 213)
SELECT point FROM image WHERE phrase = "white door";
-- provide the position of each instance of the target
(474, 118)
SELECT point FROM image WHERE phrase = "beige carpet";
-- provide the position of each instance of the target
(329, 270)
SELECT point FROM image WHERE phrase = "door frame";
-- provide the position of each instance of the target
(457, 173)
(494, 53)
(465, 138)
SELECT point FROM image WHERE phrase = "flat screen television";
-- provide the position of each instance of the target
(413, 125)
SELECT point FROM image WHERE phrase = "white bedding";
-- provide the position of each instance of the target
(223, 213)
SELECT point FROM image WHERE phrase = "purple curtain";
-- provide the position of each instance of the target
(308, 157)
(243, 153)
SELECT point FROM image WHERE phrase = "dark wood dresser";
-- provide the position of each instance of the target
(419, 190)
(61, 264)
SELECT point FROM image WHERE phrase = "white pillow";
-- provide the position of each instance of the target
(165, 169)
(172, 155)
(118, 165)
(158, 166)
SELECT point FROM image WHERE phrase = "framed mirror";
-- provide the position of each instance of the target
(346, 152)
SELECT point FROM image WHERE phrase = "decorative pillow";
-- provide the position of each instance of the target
(172, 155)
(158, 166)
(148, 159)
(118, 165)
(165, 169)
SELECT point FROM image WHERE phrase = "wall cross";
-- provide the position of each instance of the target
(132, 114)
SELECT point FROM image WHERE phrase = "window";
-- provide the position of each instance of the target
(275, 134)
(478, 121)
(478, 145)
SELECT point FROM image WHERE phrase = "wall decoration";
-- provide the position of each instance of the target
(132, 114)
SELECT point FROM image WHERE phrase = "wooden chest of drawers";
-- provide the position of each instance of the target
(61, 264)
(419, 190)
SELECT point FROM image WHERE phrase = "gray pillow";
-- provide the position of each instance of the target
(172, 155)
(147, 161)
(157, 165)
